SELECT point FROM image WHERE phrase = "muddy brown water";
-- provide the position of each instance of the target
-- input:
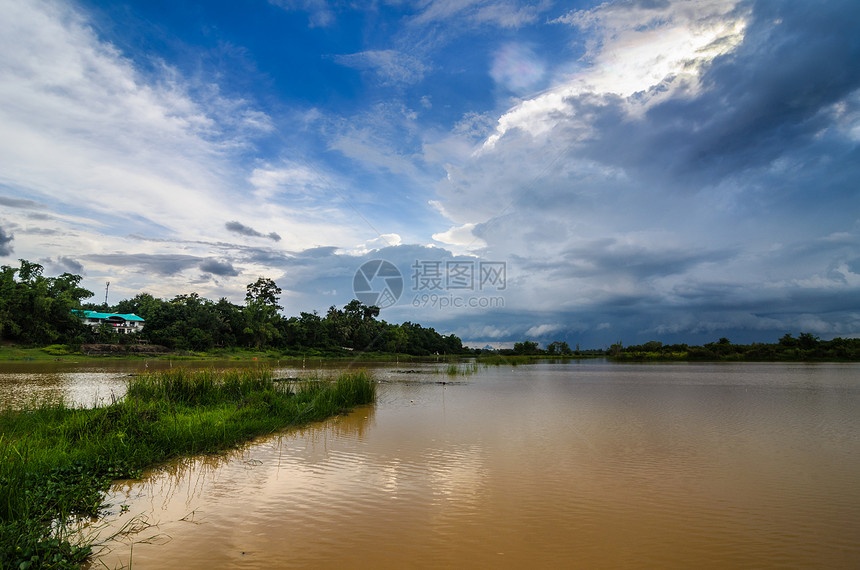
(582, 464)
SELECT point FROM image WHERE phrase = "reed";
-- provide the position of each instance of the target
(56, 461)
(461, 369)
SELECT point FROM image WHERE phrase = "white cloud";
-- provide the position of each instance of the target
(115, 151)
(377, 243)
(461, 237)
(75, 104)
(319, 12)
(392, 66)
(543, 330)
(633, 50)
(271, 181)
(517, 68)
(504, 13)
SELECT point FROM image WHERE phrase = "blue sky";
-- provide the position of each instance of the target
(652, 169)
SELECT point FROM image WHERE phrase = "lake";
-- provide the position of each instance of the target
(577, 464)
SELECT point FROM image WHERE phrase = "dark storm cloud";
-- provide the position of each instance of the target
(222, 268)
(241, 229)
(608, 256)
(265, 256)
(70, 265)
(159, 264)
(770, 97)
(5, 243)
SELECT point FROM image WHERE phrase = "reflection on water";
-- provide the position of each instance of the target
(586, 464)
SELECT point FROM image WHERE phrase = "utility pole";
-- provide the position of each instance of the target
(107, 286)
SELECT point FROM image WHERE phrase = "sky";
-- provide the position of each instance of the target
(502, 170)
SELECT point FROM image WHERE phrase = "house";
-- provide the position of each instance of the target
(121, 323)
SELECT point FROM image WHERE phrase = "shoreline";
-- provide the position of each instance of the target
(57, 460)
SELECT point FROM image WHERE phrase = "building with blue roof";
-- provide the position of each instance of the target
(122, 323)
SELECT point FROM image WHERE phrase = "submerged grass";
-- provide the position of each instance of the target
(56, 461)
(461, 369)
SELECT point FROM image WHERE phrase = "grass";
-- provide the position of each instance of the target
(459, 369)
(56, 461)
(10, 352)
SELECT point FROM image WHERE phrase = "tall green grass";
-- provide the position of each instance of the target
(461, 369)
(56, 461)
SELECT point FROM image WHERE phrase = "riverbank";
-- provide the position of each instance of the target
(56, 461)
(62, 353)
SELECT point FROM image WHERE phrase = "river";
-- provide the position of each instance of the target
(580, 464)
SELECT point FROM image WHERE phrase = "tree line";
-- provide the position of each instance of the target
(39, 311)
(805, 347)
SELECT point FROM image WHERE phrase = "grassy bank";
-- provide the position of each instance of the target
(56, 461)
(515, 359)
(58, 352)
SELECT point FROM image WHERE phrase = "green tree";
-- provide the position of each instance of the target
(40, 310)
(807, 341)
(558, 348)
(261, 312)
(526, 347)
(263, 291)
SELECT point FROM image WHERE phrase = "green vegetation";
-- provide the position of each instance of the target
(39, 311)
(460, 369)
(807, 347)
(499, 359)
(55, 461)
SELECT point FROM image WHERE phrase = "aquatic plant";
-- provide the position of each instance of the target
(461, 369)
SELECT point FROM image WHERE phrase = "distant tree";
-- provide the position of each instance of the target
(807, 341)
(263, 291)
(559, 348)
(526, 347)
(788, 341)
(261, 313)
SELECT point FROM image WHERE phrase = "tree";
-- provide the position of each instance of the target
(807, 341)
(560, 348)
(261, 312)
(39, 310)
(264, 291)
(788, 341)
(526, 347)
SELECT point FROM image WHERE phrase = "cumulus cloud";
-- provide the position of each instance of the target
(671, 176)
(373, 244)
(461, 237)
